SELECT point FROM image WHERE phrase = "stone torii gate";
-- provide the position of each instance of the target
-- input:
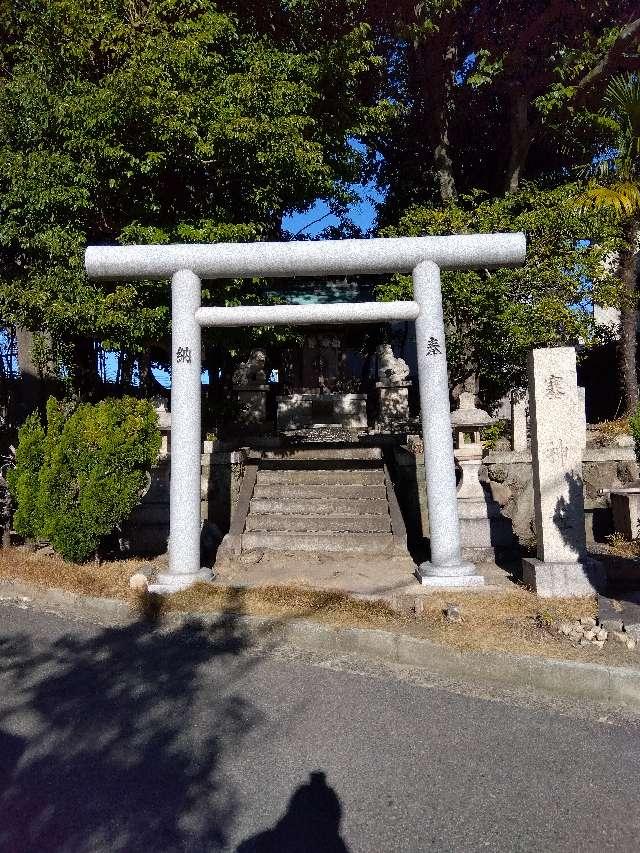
(423, 257)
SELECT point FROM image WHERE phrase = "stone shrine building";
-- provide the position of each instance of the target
(336, 378)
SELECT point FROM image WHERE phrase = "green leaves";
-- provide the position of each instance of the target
(77, 481)
(170, 121)
(494, 318)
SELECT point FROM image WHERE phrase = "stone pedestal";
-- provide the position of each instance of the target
(625, 507)
(562, 567)
(304, 411)
(252, 402)
(484, 532)
(393, 401)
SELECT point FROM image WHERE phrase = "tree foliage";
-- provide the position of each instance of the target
(154, 121)
(494, 318)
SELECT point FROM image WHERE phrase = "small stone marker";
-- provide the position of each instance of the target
(562, 567)
(519, 410)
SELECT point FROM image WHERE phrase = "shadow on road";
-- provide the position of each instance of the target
(104, 746)
(311, 823)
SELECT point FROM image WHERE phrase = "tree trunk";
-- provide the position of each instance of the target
(441, 155)
(30, 388)
(521, 138)
(85, 368)
(628, 343)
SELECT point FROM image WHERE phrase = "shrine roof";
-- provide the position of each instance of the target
(314, 292)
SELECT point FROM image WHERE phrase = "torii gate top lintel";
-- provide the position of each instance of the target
(306, 257)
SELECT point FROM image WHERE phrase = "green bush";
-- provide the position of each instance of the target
(23, 479)
(492, 433)
(75, 483)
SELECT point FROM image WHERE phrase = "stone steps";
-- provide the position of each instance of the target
(320, 454)
(278, 523)
(314, 506)
(359, 543)
(343, 476)
(313, 491)
(320, 500)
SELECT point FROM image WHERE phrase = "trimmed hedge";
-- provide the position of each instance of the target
(77, 481)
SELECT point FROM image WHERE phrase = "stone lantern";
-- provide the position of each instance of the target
(467, 422)
(482, 528)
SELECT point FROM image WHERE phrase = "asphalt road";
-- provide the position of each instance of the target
(144, 739)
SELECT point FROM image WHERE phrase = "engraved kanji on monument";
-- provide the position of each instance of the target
(562, 567)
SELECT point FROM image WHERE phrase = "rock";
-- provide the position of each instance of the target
(601, 634)
(598, 643)
(590, 634)
(631, 643)
(138, 582)
(452, 613)
(588, 622)
(585, 642)
(611, 624)
(619, 637)
(146, 569)
(250, 558)
(624, 441)
(565, 628)
(633, 630)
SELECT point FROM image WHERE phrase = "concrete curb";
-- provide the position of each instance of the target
(603, 684)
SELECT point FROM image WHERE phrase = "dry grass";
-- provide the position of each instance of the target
(610, 430)
(513, 620)
(621, 547)
(109, 580)
(289, 602)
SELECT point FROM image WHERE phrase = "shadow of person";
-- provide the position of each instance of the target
(311, 823)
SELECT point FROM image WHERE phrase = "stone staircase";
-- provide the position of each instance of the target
(322, 500)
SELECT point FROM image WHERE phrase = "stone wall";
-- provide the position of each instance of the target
(508, 474)
(147, 529)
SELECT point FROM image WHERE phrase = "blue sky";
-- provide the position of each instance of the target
(317, 218)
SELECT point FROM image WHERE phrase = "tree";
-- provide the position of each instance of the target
(489, 94)
(173, 120)
(494, 318)
(614, 186)
(496, 104)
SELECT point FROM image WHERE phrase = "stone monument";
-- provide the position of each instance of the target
(393, 387)
(251, 387)
(562, 567)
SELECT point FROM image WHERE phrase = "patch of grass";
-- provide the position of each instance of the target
(291, 602)
(511, 620)
(108, 580)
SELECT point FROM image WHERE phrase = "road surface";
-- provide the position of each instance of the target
(138, 738)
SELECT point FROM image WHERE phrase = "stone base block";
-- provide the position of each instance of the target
(463, 575)
(563, 580)
(168, 583)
